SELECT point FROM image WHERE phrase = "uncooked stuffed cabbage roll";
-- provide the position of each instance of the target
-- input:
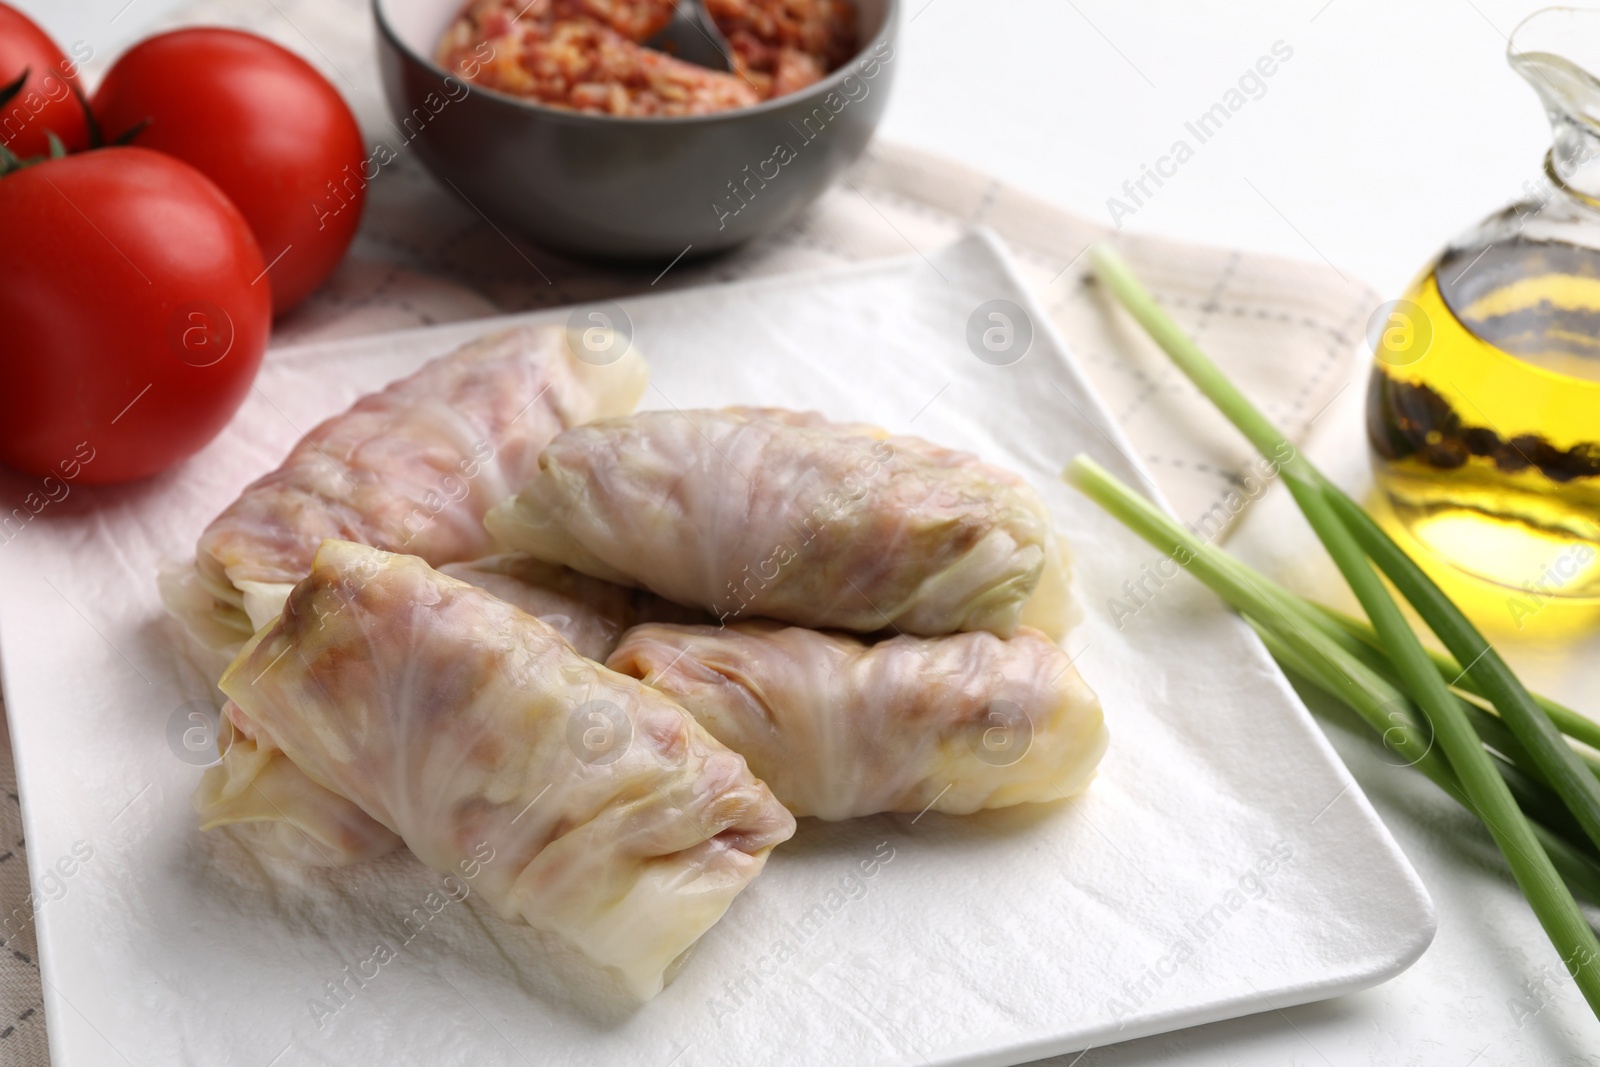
(839, 728)
(467, 727)
(411, 468)
(591, 613)
(280, 812)
(749, 512)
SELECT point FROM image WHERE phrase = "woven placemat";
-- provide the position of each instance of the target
(1285, 331)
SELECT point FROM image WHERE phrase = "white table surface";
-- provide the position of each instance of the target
(1392, 126)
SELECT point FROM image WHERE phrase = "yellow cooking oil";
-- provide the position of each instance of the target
(1484, 416)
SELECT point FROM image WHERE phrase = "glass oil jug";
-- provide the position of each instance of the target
(1483, 411)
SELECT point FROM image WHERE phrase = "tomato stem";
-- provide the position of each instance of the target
(8, 92)
(97, 138)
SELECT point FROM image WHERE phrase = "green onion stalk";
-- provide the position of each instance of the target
(1356, 543)
(1285, 624)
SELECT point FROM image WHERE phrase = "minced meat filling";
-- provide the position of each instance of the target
(586, 55)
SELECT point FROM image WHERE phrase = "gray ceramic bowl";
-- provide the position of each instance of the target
(598, 186)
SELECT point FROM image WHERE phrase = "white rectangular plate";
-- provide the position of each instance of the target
(1222, 864)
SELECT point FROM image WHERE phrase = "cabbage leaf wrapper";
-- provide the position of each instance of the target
(276, 810)
(838, 727)
(411, 468)
(591, 613)
(280, 812)
(761, 512)
(466, 726)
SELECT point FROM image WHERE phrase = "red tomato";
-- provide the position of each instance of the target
(47, 101)
(263, 125)
(133, 316)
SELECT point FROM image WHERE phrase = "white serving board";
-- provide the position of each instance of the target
(991, 939)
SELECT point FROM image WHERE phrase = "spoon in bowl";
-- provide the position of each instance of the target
(693, 37)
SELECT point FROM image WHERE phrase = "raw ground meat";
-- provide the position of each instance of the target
(585, 66)
(585, 54)
(785, 45)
